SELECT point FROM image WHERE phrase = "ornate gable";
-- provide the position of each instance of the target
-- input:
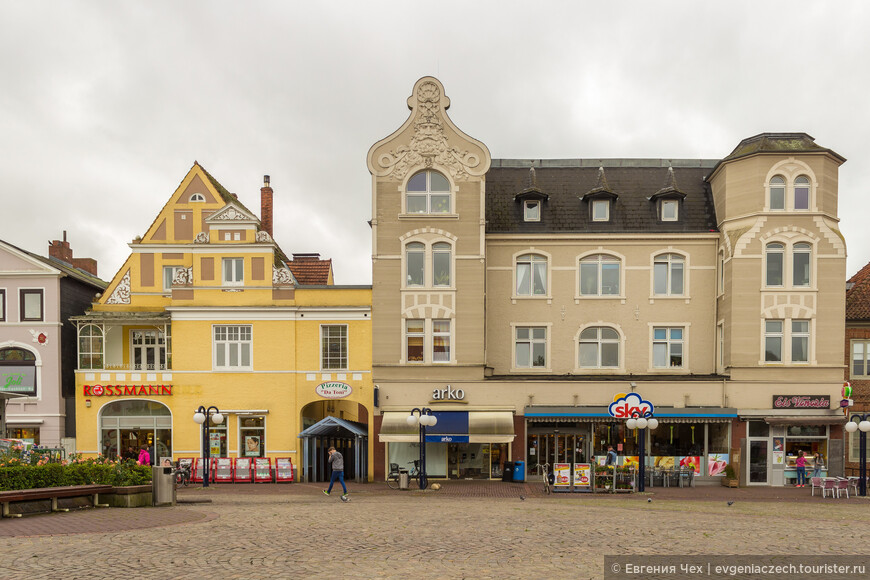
(429, 139)
(232, 213)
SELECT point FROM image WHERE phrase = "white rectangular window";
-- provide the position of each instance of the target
(860, 356)
(333, 346)
(31, 305)
(233, 271)
(414, 333)
(773, 340)
(600, 210)
(800, 340)
(667, 347)
(440, 341)
(670, 210)
(232, 347)
(532, 211)
(168, 275)
(531, 347)
(148, 350)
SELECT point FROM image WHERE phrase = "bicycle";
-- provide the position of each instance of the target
(393, 476)
(545, 468)
(182, 475)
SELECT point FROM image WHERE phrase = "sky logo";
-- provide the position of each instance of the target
(625, 406)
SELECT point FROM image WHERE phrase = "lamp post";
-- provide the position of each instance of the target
(423, 418)
(642, 421)
(861, 422)
(205, 416)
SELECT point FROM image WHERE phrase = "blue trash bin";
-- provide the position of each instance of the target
(519, 471)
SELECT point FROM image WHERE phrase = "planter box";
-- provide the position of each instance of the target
(130, 496)
(730, 482)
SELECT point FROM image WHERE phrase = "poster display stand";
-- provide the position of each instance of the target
(263, 470)
(284, 470)
(223, 469)
(561, 477)
(582, 477)
(196, 470)
(242, 470)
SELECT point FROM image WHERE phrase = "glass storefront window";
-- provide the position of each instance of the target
(678, 439)
(218, 439)
(807, 431)
(252, 436)
(30, 434)
(624, 441)
(758, 429)
(718, 439)
(128, 426)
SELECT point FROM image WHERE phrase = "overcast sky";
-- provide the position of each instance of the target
(104, 106)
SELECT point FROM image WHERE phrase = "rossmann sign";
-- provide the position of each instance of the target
(630, 405)
(126, 390)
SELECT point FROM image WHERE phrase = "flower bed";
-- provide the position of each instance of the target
(29, 470)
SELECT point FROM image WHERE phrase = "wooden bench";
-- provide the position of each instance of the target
(53, 493)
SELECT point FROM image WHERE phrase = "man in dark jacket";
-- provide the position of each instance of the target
(336, 461)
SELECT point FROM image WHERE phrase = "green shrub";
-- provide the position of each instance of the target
(86, 473)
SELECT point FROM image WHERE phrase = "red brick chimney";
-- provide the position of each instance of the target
(266, 206)
(60, 250)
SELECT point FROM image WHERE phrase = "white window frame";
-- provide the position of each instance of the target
(326, 338)
(788, 255)
(227, 344)
(428, 194)
(806, 248)
(865, 348)
(144, 346)
(779, 184)
(536, 257)
(670, 257)
(241, 452)
(174, 269)
(782, 253)
(675, 203)
(600, 258)
(407, 335)
(529, 206)
(720, 282)
(416, 247)
(786, 336)
(515, 327)
(435, 251)
(809, 187)
(720, 347)
(233, 265)
(605, 203)
(22, 304)
(668, 341)
(444, 335)
(197, 197)
(599, 342)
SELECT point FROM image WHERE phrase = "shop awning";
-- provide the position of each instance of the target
(805, 420)
(542, 414)
(452, 426)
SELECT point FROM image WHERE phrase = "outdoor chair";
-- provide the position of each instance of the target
(854, 484)
(816, 483)
(842, 485)
(829, 484)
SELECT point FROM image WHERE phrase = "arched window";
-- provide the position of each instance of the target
(427, 192)
(777, 192)
(599, 275)
(197, 197)
(802, 192)
(774, 254)
(668, 275)
(801, 259)
(441, 264)
(599, 348)
(18, 371)
(531, 275)
(127, 426)
(91, 347)
(415, 258)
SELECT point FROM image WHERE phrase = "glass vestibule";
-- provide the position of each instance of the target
(128, 426)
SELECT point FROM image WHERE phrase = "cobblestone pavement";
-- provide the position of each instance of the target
(466, 530)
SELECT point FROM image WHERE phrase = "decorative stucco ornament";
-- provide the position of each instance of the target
(264, 237)
(201, 238)
(281, 277)
(39, 338)
(121, 294)
(183, 277)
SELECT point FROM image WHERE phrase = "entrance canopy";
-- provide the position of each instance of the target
(348, 437)
(333, 426)
(452, 427)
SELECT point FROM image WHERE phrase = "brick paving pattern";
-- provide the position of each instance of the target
(466, 530)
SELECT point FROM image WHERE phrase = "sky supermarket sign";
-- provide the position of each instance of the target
(626, 406)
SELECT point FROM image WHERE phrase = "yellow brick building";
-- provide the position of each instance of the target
(208, 311)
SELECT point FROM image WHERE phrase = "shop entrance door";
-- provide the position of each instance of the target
(557, 448)
(758, 472)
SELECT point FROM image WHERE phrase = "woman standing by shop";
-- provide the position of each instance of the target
(817, 464)
(801, 465)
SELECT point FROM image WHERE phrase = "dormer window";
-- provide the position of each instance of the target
(601, 210)
(669, 210)
(197, 197)
(532, 211)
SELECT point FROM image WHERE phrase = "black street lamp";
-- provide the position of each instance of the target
(642, 421)
(423, 418)
(206, 416)
(859, 422)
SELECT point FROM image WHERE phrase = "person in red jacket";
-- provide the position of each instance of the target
(801, 464)
(144, 456)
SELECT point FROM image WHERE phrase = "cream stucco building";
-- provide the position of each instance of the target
(519, 298)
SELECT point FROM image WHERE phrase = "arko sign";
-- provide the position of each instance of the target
(626, 406)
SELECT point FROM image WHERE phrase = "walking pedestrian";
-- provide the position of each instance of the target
(336, 461)
(801, 465)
